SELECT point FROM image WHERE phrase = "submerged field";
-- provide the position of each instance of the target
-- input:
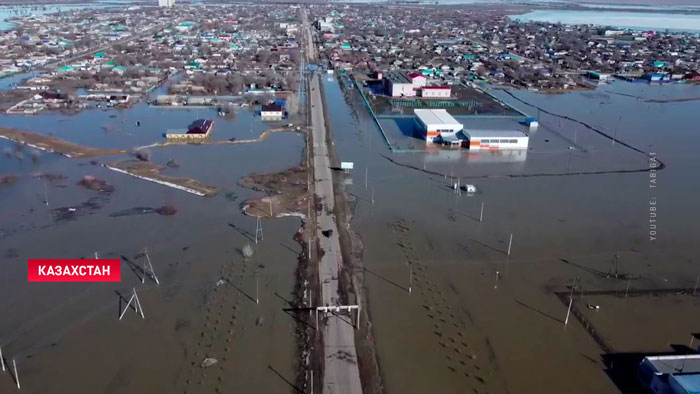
(478, 320)
(205, 303)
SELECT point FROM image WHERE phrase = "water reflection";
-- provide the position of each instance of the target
(435, 154)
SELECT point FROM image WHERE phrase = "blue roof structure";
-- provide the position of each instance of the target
(689, 383)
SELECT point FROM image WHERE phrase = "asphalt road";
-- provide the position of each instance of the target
(309, 47)
(341, 371)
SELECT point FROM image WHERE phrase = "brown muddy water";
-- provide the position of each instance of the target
(476, 320)
(479, 321)
(66, 338)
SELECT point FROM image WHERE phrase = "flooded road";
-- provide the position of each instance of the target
(478, 320)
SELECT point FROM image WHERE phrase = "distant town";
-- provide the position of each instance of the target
(116, 56)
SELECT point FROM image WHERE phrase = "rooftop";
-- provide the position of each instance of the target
(436, 116)
(200, 126)
(690, 382)
(397, 77)
(674, 364)
(271, 108)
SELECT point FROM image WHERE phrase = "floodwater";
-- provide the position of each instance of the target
(478, 320)
(67, 338)
(7, 12)
(14, 79)
(115, 128)
(622, 19)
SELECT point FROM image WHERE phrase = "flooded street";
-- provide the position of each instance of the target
(478, 320)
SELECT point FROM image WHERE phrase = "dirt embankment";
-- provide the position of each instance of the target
(263, 136)
(55, 145)
(151, 172)
(287, 193)
(8, 180)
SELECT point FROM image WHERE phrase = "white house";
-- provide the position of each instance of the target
(417, 80)
(398, 85)
(271, 112)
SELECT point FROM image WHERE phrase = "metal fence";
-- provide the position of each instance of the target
(435, 103)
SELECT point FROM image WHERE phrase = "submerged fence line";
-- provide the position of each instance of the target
(371, 112)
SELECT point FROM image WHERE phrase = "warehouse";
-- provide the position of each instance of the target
(436, 123)
(495, 139)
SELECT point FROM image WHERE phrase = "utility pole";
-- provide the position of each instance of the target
(2, 361)
(46, 194)
(410, 277)
(616, 259)
(258, 230)
(137, 305)
(148, 268)
(481, 215)
(510, 243)
(571, 301)
(257, 297)
(14, 364)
